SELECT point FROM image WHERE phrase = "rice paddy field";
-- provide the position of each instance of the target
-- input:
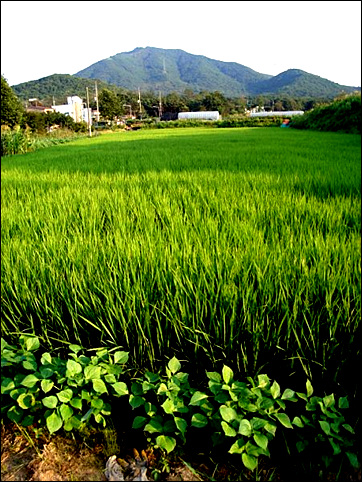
(239, 246)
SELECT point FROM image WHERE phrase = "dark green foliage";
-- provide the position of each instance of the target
(342, 115)
(175, 70)
(56, 87)
(241, 417)
(11, 109)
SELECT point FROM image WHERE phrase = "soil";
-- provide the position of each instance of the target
(34, 455)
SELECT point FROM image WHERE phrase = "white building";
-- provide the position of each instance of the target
(201, 115)
(280, 113)
(75, 108)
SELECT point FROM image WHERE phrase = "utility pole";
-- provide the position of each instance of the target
(97, 103)
(139, 101)
(89, 119)
(160, 107)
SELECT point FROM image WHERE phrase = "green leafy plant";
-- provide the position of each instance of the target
(61, 393)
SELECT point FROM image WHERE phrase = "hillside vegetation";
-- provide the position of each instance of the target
(170, 70)
(343, 115)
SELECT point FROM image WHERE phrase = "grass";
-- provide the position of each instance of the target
(218, 245)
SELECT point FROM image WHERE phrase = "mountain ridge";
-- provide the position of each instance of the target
(151, 68)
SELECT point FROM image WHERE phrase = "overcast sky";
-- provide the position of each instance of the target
(63, 37)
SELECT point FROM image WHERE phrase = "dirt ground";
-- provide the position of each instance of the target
(27, 458)
(33, 455)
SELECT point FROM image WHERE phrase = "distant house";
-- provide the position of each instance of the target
(33, 106)
(75, 108)
(39, 108)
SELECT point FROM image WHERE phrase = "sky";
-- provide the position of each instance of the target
(40, 38)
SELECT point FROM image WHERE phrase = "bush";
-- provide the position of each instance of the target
(240, 416)
(342, 115)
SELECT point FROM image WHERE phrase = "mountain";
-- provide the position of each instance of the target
(153, 69)
(168, 70)
(58, 86)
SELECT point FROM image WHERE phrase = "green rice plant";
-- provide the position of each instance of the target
(218, 245)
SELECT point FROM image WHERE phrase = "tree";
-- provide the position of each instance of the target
(11, 108)
(109, 106)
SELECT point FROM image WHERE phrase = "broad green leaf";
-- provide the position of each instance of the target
(168, 406)
(16, 392)
(353, 460)
(325, 427)
(50, 402)
(301, 445)
(181, 424)
(32, 343)
(75, 348)
(136, 402)
(165, 442)
(65, 411)
(198, 420)
(54, 422)
(343, 402)
(46, 359)
(169, 427)
(153, 426)
(120, 357)
(336, 448)
(65, 395)
(7, 385)
(152, 377)
(258, 423)
(228, 430)
(26, 400)
(238, 447)
(297, 422)
(46, 372)
(174, 365)
(15, 413)
(30, 364)
(227, 413)
(263, 381)
(197, 397)
(86, 396)
(275, 390)
(73, 368)
(227, 374)
(106, 410)
(214, 376)
(149, 408)
(139, 422)
(261, 440)
(303, 396)
(287, 394)
(100, 419)
(245, 427)
(271, 428)
(329, 401)
(100, 387)
(92, 372)
(249, 461)
(97, 403)
(348, 427)
(110, 378)
(309, 388)
(162, 389)
(30, 381)
(28, 420)
(76, 403)
(283, 419)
